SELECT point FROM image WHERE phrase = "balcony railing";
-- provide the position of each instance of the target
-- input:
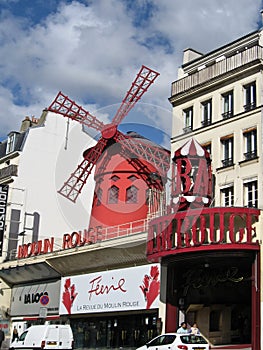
(250, 106)
(250, 155)
(206, 122)
(187, 129)
(227, 115)
(217, 69)
(227, 162)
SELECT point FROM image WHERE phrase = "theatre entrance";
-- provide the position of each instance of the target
(216, 290)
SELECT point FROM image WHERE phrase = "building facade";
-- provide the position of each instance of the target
(213, 262)
(49, 246)
(207, 246)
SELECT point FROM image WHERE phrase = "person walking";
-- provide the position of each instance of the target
(2, 337)
(15, 334)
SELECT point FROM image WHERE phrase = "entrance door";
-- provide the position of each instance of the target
(216, 290)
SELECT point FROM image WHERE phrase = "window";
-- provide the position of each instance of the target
(228, 151)
(113, 195)
(188, 119)
(227, 196)
(99, 196)
(115, 178)
(250, 144)
(23, 336)
(10, 143)
(251, 194)
(131, 194)
(228, 105)
(132, 178)
(207, 112)
(250, 96)
(165, 339)
(208, 147)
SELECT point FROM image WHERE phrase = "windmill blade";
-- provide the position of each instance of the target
(142, 82)
(73, 186)
(157, 156)
(69, 108)
(145, 174)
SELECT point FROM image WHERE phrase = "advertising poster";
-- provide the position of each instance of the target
(34, 299)
(134, 288)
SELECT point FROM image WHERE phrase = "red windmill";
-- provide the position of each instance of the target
(139, 155)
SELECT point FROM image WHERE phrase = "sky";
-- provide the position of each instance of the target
(92, 50)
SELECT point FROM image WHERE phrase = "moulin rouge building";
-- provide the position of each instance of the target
(211, 251)
(201, 252)
(209, 255)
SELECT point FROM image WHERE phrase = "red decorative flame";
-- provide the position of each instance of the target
(151, 286)
(69, 295)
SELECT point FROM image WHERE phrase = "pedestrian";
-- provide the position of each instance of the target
(183, 329)
(15, 334)
(195, 329)
(2, 337)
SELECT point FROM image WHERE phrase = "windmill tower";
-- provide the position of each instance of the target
(127, 166)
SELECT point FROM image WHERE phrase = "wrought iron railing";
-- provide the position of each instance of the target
(250, 155)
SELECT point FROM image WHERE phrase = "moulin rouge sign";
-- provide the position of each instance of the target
(70, 240)
(192, 223)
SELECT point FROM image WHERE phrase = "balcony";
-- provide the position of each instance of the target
(206, 122)
(250, 155)
(188, 129)
(216, 70)
(250, 106)
(227, 162)
(8, 171)
(227, 115)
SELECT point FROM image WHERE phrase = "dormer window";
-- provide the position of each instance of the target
(115, 178)
(132, 194)
(132, 178)
(113, 195)
(11, 142)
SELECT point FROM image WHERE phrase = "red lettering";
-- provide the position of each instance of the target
(213, 231)
(48, 245)
(185, 234)
(97, 288)
(199, 231)
(184, 168)
(66, 241)
(35, 248)
(22, 251)
(208, 226)
(75, 239)
(201, 184)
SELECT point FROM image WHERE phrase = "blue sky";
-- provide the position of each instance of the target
(92, 50)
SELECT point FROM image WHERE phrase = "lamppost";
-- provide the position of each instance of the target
(22, 234)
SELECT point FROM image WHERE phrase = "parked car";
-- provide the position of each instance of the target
(45, 337)
(175, 341)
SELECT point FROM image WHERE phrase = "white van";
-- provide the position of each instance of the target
(45, 337)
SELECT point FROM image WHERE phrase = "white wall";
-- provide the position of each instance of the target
(43, 167)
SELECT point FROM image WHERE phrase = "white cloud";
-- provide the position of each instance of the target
(92, 52)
